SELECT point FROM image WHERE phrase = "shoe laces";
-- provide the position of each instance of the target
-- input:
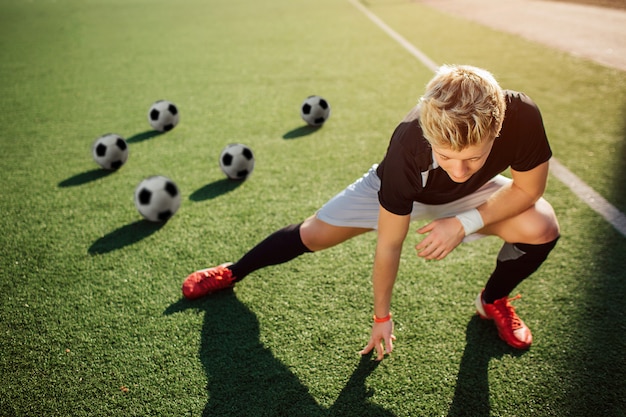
(507, 311)
(212, 278)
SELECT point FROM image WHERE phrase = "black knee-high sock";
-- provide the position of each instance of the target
(281, 246)
(515, 263)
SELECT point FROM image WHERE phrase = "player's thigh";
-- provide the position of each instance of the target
(536, 225)
(317, 234)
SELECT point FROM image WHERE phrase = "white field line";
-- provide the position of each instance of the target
(587, 194)
(430, 64)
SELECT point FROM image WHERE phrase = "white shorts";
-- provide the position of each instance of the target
(357, 205)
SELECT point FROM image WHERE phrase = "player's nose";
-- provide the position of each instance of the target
(459, 169)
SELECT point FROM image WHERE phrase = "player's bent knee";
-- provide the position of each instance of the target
(536, 225)
(539, 224)
(550, 225)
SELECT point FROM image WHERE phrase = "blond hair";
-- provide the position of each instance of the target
(463, 106)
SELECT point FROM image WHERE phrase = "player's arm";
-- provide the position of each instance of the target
(516, 197)
(392, 230)
(509, 201)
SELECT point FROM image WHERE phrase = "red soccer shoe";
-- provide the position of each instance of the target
(511, 328)
(206, 281)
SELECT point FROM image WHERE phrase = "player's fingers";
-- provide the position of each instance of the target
(423, 252)
(435, 254)
(435, 251)
(367, 349)
(426, 228)
(426, 243)
(426, 252)
(380, 351)
(389, 344)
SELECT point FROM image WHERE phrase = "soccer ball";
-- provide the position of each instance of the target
(315, 110)
(110, 151)
(237, 161)
(157, 198)
(163, 116)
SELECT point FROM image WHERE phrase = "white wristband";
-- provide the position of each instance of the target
(471, 221)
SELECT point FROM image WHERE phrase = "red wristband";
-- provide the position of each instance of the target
(382, 319)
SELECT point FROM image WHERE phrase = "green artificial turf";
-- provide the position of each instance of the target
(92, 320)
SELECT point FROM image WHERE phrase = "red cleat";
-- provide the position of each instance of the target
(511, 328)
(206, 281)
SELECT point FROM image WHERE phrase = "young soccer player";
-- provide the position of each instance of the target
(443, 164)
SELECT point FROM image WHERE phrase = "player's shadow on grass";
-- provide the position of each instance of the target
(140, 137)
(215, 189)
(124, 236)
(245, 379)
(471, 395)
(301, 131)
(85, 177)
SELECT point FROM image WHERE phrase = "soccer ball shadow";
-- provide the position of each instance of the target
(215, 189)
(301, 131)
(140, 137)
(246, 379)
(124, 236)
(85, 177)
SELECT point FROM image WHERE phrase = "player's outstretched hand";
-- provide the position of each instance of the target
(443, 235)
(382, 340)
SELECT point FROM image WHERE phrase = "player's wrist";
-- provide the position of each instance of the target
(471, 220)
(383, 319)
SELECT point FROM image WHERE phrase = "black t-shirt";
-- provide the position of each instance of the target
(522, 145)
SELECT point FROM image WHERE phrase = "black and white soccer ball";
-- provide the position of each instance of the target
(163, 116)
(110, 151)
(315, 110)
(157, 198)
(237, 161)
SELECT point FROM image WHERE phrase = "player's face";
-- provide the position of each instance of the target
(461, 165)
